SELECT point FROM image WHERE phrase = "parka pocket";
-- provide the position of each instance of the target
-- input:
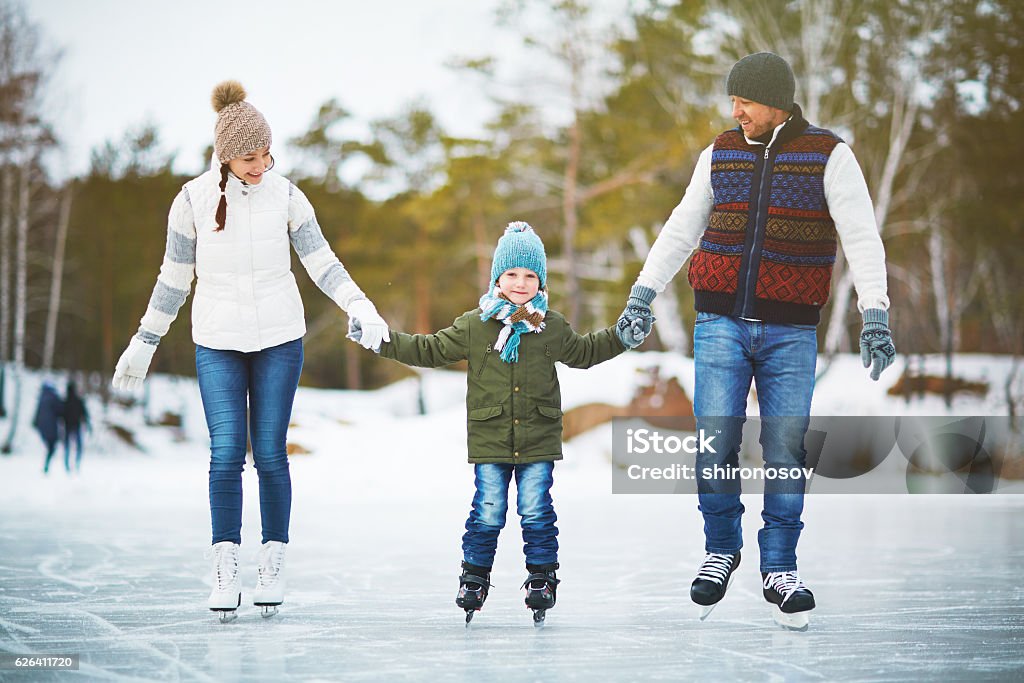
(550, 412)
(486, 413)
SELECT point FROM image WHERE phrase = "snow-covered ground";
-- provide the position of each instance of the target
(109, 563)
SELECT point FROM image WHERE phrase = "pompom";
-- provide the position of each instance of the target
(518, 226)
(228, 92)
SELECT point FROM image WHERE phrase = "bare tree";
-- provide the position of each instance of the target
(23, 136)
(53, 310)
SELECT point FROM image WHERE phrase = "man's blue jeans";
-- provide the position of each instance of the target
(265, 381)
(728, 353)
(490, 505)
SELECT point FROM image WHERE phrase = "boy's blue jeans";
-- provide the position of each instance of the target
(490, 505)
(728, 353)
(265, 381)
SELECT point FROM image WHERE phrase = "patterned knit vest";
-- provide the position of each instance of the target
(768, 250)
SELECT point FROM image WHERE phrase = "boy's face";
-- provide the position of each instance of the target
(519, 285)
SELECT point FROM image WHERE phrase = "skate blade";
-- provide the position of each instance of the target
(469, 616)
(267, 611)
(704, 611)
(797, 621)
(538, 618)
(227, 615)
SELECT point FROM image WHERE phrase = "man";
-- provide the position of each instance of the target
(763, 210)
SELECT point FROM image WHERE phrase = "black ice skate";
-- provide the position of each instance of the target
(791, 600)
(473, 586)
(540, 587)
(713, 578)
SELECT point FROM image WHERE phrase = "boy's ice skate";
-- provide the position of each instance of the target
(226, 595)
(473, 586)
(270, 578)
(713, 578)
(791, 600)
(541, 586)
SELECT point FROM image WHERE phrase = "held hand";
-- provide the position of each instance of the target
(877, 350)
(631, 334)
(133, 365)
(355, 333)
(638, 310)
(374, 329)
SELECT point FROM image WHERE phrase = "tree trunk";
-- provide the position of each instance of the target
(53, 311)
(6, 208)
(482, 249)
(570, 218)
(21, 277)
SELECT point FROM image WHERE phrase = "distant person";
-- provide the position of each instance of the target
(231, 228)
(75, 416)
(768, 202)
(47, 421)
(512, 342)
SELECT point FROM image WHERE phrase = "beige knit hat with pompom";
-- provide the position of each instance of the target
(240, 127)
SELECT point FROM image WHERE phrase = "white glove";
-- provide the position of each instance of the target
(133, 365)
(375, 330)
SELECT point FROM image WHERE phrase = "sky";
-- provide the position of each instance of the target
(126, 64)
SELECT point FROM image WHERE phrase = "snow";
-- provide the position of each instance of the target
(109, 563)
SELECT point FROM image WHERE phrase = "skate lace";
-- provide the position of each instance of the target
(270, 563)
(225, 565)
(715, 567)
(784, 583)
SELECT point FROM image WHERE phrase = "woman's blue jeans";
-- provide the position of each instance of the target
(728, 353)
(490, 506)
(265, 383)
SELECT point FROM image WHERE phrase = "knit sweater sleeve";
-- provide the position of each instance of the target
(319, 260)
(850, 205)
(681, 233)
(177, 271)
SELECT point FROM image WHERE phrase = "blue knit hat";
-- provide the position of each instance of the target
(520, 247)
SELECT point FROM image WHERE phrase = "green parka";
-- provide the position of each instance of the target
(514, 410)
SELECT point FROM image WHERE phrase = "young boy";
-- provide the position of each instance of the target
(512, 342)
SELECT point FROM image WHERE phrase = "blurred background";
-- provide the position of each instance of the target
(584, 119)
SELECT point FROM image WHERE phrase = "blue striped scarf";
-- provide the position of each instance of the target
(528, 317)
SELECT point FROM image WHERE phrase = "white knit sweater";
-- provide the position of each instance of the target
(246, 296)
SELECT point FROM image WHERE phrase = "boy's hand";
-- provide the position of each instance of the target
(877, 350)
(631, 334)
(355, 333)
(363, 314)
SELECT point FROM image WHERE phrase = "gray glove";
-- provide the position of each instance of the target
(636, 320)
(877, 350)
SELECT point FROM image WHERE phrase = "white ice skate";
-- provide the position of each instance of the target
(270, 578)
(226, 595)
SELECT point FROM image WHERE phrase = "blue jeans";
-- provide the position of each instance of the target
(265, 381)
(490, 505)
(728, 353)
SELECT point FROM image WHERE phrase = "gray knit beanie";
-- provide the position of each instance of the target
(240, 127)
(763, 77)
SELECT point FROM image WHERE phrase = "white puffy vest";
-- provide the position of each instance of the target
(246, 298)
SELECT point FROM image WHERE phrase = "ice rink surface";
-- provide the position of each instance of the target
(923, 588)
(109, 563)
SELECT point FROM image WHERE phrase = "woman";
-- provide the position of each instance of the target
(230, 228)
